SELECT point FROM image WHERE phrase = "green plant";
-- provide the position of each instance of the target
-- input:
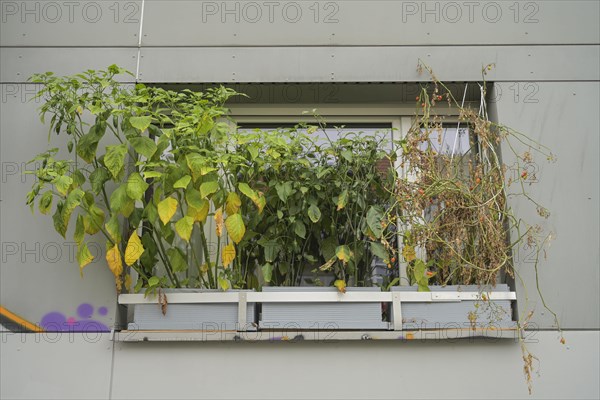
(150, 190)
(291, 201)
(282, 201)
(324, 203)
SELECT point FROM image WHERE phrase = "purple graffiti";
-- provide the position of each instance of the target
(58, 322)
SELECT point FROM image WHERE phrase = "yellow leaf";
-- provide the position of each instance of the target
(328, 264)
(166, 209)
(233, 203)
(204, 269)
(199, 214)
(340, 285)
(134, 249)
(235, 227)
(219, 221)
(113, 258)
(84, 256)
(184, 228)
(408, 252)
(344, 254)
(260, 202)
(228, 254)
(128, 282)
(224, 284)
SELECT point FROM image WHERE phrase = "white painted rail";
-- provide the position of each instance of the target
(317, 297)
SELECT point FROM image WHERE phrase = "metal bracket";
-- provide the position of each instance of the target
(242, 311)
(397, 311)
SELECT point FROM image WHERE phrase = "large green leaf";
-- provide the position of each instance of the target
(98, 178)
(247, 191)
(284, 190)
(199, 214)
(88, 143)
(59, 225)
(419, 275)
(120, 202)
(314, 213)
(183, 182)
(347, 154)
(342, 200)
(193, 198)
(62, 184)
(208, 188)
(93, 220)
(113, 227)
(79, 230)
(379, 250)
(374, 220)
(328, 247)
(46, 202)
(114, 159)
(148, 258)
(272, 249)
(136, 186)
(198, 165)
(71, 203)
(257, 198)
(141, 123)
(235, 227)
(300, 229)
(177, 259)
(143, 145)
(267, 271)
(84, 256)
(78, 178)
(151, 213)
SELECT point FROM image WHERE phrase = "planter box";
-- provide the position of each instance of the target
(192, 316)
(322, 315)
(457, 314)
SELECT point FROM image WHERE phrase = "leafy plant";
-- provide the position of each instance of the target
(153, 169)
(454, 205)
(153, 188)
(324, 203)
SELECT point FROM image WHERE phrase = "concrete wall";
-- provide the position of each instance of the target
(91, 367)
(547, 77)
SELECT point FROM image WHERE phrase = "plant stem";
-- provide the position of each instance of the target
(166, 262)
(206, 254)
(217, 261)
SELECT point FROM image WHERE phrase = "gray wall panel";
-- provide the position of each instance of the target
(70, 23)
(39, 273)
(560, 116)
(18, 64)
(363, 22)
(356, 370)
(79, 367)
(350, 64)
(55, 366)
